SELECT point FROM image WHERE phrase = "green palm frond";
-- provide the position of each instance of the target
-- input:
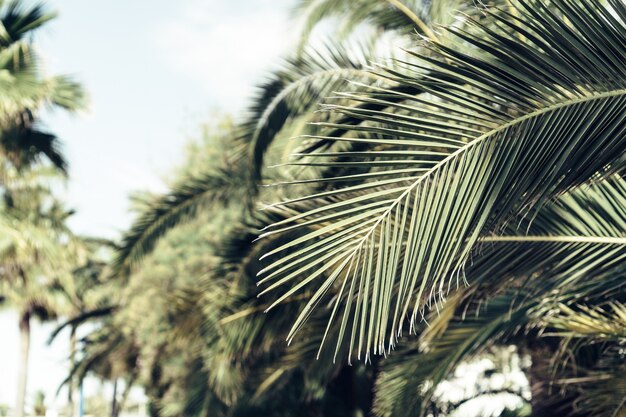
(297, 88)
(33, 234)
(466, 327)
(601, 391)
(19, 79)
(24, 91)
(64, 92)
(567, 254)
(579, 236)
(79, 319)
(105, 352)
(591, 322)
(405, 17)
(409, 377)
(24, 145)
(23, 86)
(512, 131)
(18, 20)
(181, 203)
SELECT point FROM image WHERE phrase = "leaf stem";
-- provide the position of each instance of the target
(415, 18)
(572, 239)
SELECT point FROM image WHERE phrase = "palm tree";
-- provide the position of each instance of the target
(30, 301)
(36, 245)
(286, 105)
(24, 91)
(37, 252)
(85, 297)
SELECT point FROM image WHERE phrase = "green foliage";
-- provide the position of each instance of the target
(462, 159)
(24, 91)
(405, 17)
(469, 193)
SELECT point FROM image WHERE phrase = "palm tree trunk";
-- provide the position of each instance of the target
(71, 385)
(114, 400)
(127, 388)
(23, 369)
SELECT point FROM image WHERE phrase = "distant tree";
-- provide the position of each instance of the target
(36, 254)
(85, 297)
(36, 246)
(24, 91)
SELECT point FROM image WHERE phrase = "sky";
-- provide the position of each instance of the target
(154, 70)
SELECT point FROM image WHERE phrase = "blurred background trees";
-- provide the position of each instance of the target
(37, 248)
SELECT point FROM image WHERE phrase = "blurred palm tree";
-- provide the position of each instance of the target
(36, 255)
(37, 248)
(470, 192)
(85, 296)
(24, 91)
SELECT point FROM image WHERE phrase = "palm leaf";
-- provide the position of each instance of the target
(79, 319)
(513, 131)
(601, 391)
(297, 88)
(591, 322)
(405, 17)
(579, 236)
(572, 252)
(18, 20)
(181, 203)
(408, 379)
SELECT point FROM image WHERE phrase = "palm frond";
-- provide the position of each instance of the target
(24, 145)
(601, 391)
(80, 318)
(24, 245)
(579, 236)
(169, 210)
(298, 87)
(64, 92)
(512, 132)
(405, 17)
(17, 20)
(408, 378)
(591, 322)
(24, 90)
(563, 257)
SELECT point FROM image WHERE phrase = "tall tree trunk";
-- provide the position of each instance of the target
(72, 385)
(114, 400)
(23, 367)
(127, 388)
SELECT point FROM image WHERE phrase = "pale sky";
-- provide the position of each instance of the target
(154, 70)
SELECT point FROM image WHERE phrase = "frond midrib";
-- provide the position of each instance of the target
(480, 139)
(603, 240)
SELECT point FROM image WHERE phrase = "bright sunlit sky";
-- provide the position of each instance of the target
(154, 70)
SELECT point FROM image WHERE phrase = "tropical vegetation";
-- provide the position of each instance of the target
(37, 248)
(455, 204)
